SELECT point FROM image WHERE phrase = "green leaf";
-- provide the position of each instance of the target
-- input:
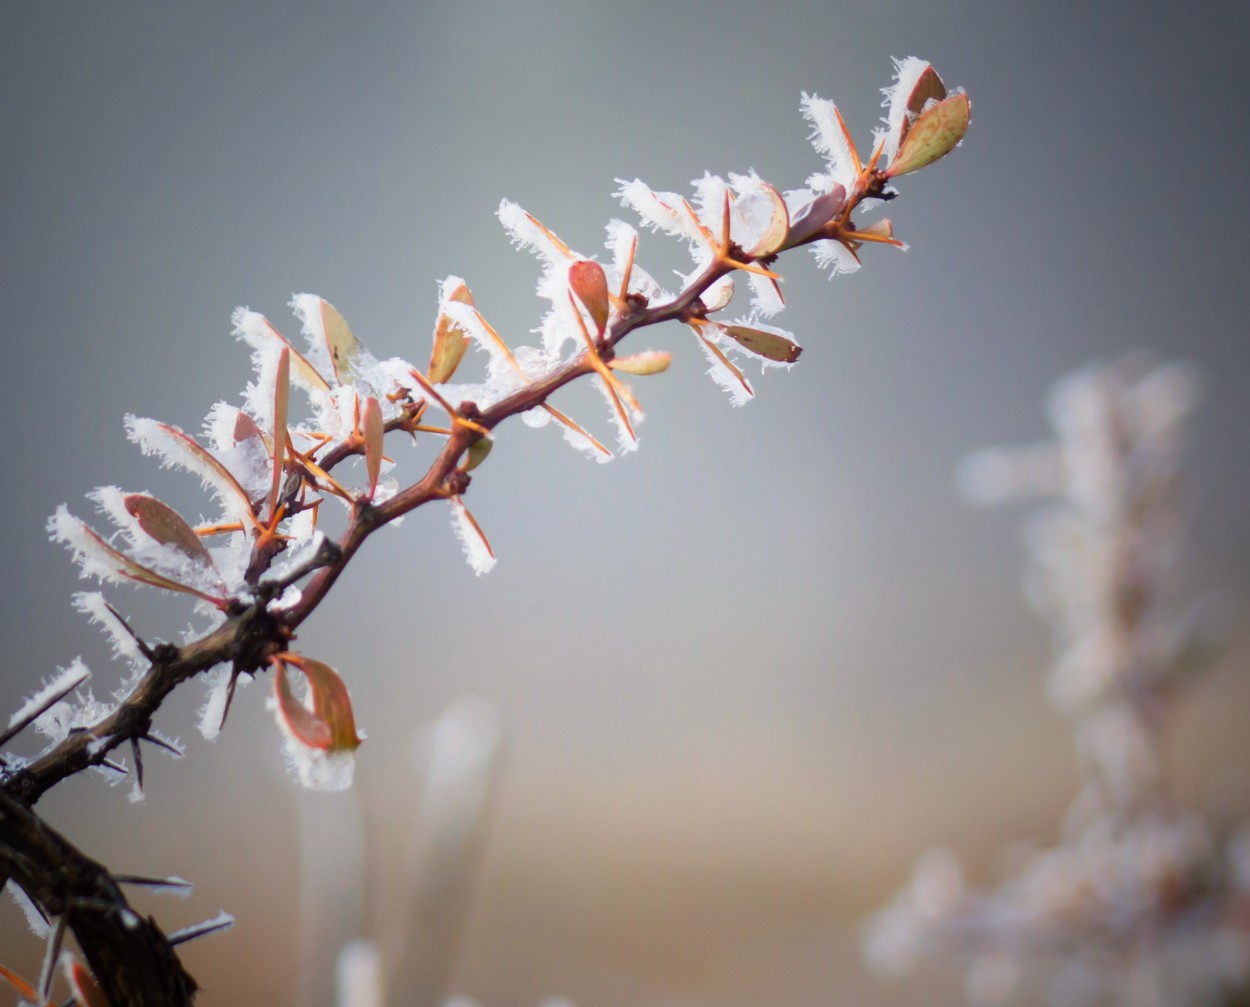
(344, 348)
(765, 344)
(933, 135)
(477, 453)
(450, 341)
(645, 363)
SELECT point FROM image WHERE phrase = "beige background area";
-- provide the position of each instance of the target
(747, 675)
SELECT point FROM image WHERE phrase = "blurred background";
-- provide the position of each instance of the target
(744, 676)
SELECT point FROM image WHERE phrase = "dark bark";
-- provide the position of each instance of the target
(130, 956)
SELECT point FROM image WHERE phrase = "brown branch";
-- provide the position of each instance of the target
(134, 962)
(251, 634)
(245, 639)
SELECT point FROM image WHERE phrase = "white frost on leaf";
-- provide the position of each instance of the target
(750, 220)
(74, 713)
(834, 256)
(906, 73)
(476, 550)
(97, 610)
(318, 770)
(831, 143)
(752, 203)
(176, 449)
(248, 460)
(621, 238)
(314, 768)
(163, 558)
(214, 706)
(34, 918)
(734, 384)
(664, 212)
(309, 310)
(559, 325)
(64, 682)
(671, 214)
(258, 396)
(258, 332)
(86, 548)
(626, 440)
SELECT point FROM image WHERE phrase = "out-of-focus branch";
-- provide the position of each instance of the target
(130, 956)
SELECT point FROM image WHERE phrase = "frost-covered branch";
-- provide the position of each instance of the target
(274, 469)
(130, 957)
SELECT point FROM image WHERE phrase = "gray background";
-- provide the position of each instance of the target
(748, 673)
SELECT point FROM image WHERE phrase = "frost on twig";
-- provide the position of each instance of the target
(277, 463)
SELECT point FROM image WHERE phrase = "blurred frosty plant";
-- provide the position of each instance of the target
(1140, 902)
(274, 465)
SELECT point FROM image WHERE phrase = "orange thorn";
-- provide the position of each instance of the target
(448, 408)
(219, 529)
(609, 379)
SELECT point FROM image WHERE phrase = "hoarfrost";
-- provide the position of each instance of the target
(59, 719)
(256, 330)
(831, 143)
(558, 326)
(621, 238)
(738, 388)
(214, 706)
(906, 73)
(222, 921)
(537, 418)
(64, 682)
(661, 211)
(318, 770)
(834, 256)
(476, 551)
(625, 440)
(585, 444)
(86, 549)
(176, 449)
(97, 610)
(308, 309)
(163, 558)
(35, 919)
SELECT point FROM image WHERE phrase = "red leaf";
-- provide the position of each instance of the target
(373, 430)
(588, 282)
(167, 526)
(281, 400)
(330, 725)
